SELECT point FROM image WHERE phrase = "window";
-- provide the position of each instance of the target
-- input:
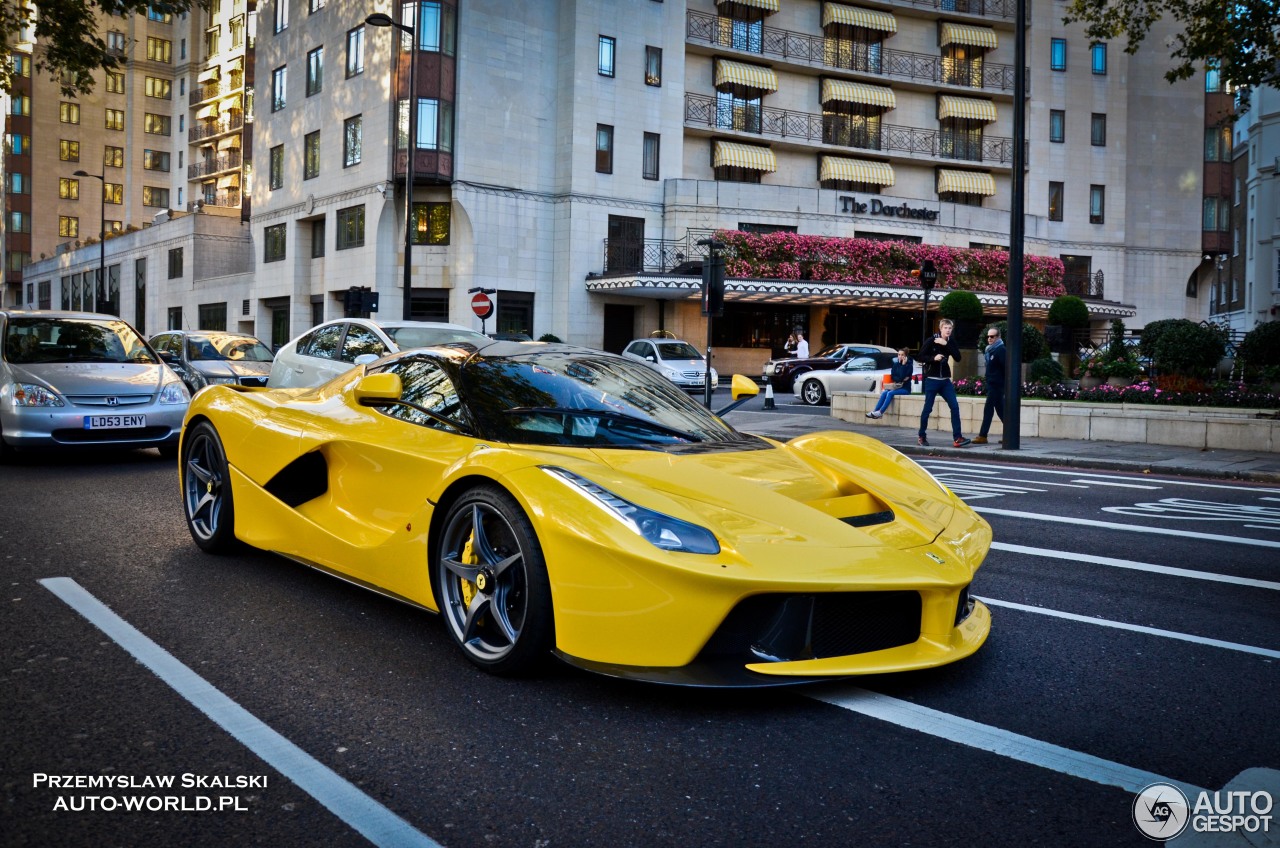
(21, 64)
(213, 316)
(45, 294)
(113, 157)
(435, 125)
(1098, 129)
(350, 227)
(175, 263)
(278, 79)
(281, 16)
(1057, 125)
(19, 222)
(652, 65)
(175, 317)
(236, 29)
(604, 149)
(1210, 215)
(425, 387)
(115, 82)
(1055, 201)
(315, 71)
(68, 113)
(113, 193)
(156, 124)
(159, 50)
(68, 151)
(355, 52)
(1217, 144)
(155, 196)
(20, 104)
(352, 141)
(311, 155)
(17, 183)
(275, 175)
(115, 119)
(1058, 54)
(649, 161)
(317, 238)
(211, 38)
(68, 189)
(737, 112)
(114, 226)
(273, 241)
(17, 144)
(1097, 204)
(1098, 58)
(435, 30)
(67, 227)
(608, 47)
(314, 6)
(155, 160)
(159, 87)
(116, 43)
(431, 222)
(158, 16)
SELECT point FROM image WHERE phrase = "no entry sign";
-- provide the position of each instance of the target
(481, 305)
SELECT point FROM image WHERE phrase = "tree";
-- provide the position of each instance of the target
(1240, 38)
(69, 35)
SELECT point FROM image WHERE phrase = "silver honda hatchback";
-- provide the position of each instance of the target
(76, 379)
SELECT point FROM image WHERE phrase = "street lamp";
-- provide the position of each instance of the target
(102, 234)
(380, 19)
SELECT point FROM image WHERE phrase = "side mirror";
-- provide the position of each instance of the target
(169, 356)
(378, 389)
(741, 389)
(650, 359)
(366, 358)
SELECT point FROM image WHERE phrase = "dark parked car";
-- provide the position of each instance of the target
(206, 357)
(782, 373)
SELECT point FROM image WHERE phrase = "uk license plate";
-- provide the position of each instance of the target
(113, 422)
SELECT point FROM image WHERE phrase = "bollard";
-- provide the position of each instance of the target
(768, 395)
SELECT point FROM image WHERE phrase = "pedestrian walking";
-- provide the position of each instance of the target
(899, 383)
(996, 355)
(935, 358)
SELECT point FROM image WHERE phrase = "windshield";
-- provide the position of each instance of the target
(234, 348)
(586, 399)
(682, 350)
(29, 341)
(407, 337)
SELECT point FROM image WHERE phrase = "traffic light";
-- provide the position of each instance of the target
(713, 286)
(358, 302)
(928, 275)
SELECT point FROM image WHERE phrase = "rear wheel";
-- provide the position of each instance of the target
(206, 490)
(491, 583)
(812, 392)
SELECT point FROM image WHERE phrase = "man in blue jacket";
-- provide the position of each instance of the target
(935, 359)
(996, 356)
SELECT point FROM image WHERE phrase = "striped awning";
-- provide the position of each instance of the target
(857, 92)
(974, 36)
(769, 6)
(231, 142)
(208, 111)
(209, 74)
(856, 170)
(838, 13)
(231, 104)
(228, 181)
(740, 73)
(753, 157)
(965, 182)
(966, 107)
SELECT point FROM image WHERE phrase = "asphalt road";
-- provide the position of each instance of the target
(1135, 639)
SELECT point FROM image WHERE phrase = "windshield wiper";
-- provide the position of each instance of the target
(605, 413)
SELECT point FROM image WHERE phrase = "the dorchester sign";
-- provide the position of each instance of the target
(877, 207)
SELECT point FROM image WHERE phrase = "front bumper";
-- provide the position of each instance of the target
(63, 427)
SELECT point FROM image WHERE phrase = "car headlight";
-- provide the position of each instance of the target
(30, 394)
(174, 392)
(768, 369)
(663, 531)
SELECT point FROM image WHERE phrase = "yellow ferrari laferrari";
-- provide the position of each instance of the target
(552, 500)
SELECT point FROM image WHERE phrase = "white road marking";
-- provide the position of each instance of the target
(1136, 628)
(1134, 528)
(1119, 485)
(1162, 481)
(366, 816)
(1002, 742)
(1137, 566)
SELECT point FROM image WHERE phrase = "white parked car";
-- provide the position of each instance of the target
(862, 372)
(331, 348)
(674, 359)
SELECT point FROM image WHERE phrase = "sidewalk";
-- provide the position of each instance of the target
(1254, 466)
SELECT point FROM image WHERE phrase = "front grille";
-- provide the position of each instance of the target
(253, 381)
(781, 628)
(129, 434)
(101, 400)
(693, 375)
(963, 607)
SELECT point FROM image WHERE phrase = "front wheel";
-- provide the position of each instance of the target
(206, 490)
(812, 392)
(491, 583)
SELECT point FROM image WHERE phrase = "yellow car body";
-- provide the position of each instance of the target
(847, 548)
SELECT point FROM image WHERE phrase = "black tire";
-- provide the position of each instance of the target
(812, 392)
(206, 490)
(492, 585)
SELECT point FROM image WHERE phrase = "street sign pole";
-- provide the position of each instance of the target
(481, 305)
(712, 301)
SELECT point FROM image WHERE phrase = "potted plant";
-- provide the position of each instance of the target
(1093, 373)
(1121, 372)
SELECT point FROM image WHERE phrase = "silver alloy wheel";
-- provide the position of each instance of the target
(812, 393)
(206, 493)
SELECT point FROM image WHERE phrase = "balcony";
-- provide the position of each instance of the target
(1084, 285)
(820, 51)
(703, 111)
(228, 161)
(199, 132)
(657, 256)
(216, 89)
(228, 197)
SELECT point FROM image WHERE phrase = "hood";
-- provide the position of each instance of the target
(232, 368)
(95, 378)
(684, 364)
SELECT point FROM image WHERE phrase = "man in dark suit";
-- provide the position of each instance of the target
(996, 356)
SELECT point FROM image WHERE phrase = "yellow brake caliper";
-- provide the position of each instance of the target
(468, 558)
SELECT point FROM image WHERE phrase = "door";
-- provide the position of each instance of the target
(619, 326)
(625, 250)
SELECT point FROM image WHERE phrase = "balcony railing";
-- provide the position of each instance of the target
(656, 256)
(1084, 285)
(229, 197)
(228, 161)
(214, 90)
(701, 110)
(820, 51)
(199, 132)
